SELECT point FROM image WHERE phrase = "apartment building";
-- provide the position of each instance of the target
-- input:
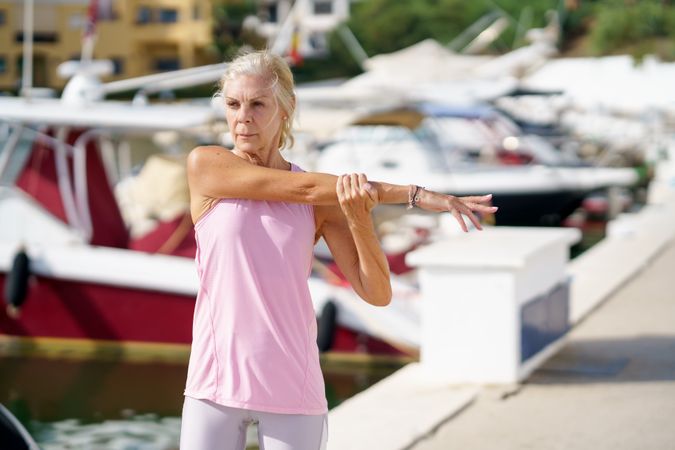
(138, 36)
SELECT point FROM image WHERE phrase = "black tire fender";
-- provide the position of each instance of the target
(16, 283)
(327, 326)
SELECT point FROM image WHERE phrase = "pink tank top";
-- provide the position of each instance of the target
(254, 327)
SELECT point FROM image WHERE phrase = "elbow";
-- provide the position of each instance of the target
(381, 300)
(385, 301)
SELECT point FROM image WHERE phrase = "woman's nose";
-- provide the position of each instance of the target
(244, 114)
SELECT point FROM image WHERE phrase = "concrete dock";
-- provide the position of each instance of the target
(610, 383)
(612, 386)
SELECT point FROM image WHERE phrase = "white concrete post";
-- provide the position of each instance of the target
(491, 296)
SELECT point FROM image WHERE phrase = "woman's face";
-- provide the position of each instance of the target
(252, 113)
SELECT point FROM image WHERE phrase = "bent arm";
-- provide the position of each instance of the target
(215, 172)
(351, 237)
(357, 252)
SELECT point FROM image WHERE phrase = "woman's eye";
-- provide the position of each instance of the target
(258, 104)
(232, 104)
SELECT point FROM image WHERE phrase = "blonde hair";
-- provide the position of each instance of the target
(274, 68)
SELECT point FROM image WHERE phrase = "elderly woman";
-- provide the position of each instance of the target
(257, 217)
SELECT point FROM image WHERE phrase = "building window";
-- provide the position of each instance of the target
(166, 64)
(143, 15)
(3, 64)
(42, 37)
(3, 17)
(272, 13)
(168, 15)
(323, 7)
(118, 66)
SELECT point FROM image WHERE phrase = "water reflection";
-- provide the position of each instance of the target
(106, 405)
(143, 432)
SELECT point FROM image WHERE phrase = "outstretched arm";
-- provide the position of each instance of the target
(215, 172)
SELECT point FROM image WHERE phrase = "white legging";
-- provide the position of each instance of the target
(209, 426)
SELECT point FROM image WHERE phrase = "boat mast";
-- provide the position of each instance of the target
(89, 36)
(27, 72)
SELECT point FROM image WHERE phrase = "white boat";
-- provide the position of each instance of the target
(72, 267)
(402, 146)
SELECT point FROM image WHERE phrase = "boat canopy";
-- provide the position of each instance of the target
(106, 114)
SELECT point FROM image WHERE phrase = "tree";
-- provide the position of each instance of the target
(228, 33)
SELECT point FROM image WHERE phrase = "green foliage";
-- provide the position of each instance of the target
(384, 26)
(321, 69)
(229, 35)
(575, 22)
(340, 58)
(635, 24)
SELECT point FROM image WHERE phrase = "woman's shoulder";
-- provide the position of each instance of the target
(205, 154)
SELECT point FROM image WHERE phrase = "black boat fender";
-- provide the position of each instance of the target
(327, 326)
(13, 435)
(16, 284)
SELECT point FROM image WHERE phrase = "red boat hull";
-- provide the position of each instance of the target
(78, 310)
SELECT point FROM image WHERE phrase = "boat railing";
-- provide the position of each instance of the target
(73, 195)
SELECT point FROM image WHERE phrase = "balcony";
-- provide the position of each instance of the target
(197, 33)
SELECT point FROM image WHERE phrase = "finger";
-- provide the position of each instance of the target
(354, 179)
(460, 219)
(477, 198)
(339, 188)
(371, 191)
(362, 180)
(366, 188)
(347, 186)
(468, 210)
(362, 183)
(472, 217)
(482, 208)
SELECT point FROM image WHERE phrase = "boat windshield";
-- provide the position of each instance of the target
(375, 134)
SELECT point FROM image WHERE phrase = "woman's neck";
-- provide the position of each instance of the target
(272, 159)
